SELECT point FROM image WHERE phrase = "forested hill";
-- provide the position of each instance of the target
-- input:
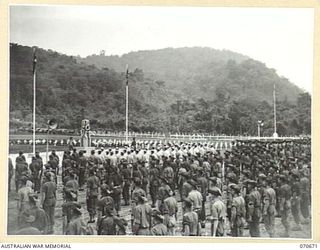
(177, 90)
(72, 91)
(208, 72)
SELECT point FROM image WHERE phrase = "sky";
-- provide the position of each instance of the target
(282, 38)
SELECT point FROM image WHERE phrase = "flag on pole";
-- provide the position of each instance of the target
(127, 75)
(34, 61)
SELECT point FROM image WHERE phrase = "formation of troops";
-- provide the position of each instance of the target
(164, 185)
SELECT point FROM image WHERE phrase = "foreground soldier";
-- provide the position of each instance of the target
(195, 197)
(295, 200)
(218, 213)
(136, 193)
(238, 211)
(23, 197)
(21, 170)
(71, 188)
(158, 228)
(109, 223)
(305, 196)
(48, 199)
(170, 210)
(142, 217)
(269, 206)
(76, 226)
(26, 227)
(41, 219)
(92, 194)
(190, 222)
(67, 213)
(285, 204)
(254, 208)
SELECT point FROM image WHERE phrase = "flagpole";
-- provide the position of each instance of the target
(275, 134)
(34, 101)
(127, 101)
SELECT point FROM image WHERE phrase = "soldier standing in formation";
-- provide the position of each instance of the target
(48, 199)
(245, 185)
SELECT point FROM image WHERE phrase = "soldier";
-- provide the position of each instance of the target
(125, 173)
(71, 188)
(145, 176)
(215, 182)
(36, 173)
(253, 208)
(170, 211)
(76, 226)
(92, 194)
(116, 180)
(23, 197)
(305, 196)
(21, 170)
(93, 160)
(67, 210)
(10, 174)
(158, 228)
(163, 193)
(70, 143)
(74, 156)
(230, 180)
(141, 216)
(41, 219)
(103, 200)
(40, 161)
(285, 204)
(269, 199)
(48, 199)
(20, 158)
(56, 158)
(168, 174)
(203, 186)
(196, 198)
(134, 143)
(238, 212)
(154, 184)
(82, 164)
(190, 223)
(53, 164)
(26, 227)
(186, 188)
(110, 224)
(295, 200)
(218, 213)
(136, 192)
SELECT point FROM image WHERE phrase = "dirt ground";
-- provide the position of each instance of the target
(126, 213)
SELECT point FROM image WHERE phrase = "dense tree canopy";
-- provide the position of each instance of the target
(177, 90)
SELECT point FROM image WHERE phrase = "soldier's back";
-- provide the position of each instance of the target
(159, 230)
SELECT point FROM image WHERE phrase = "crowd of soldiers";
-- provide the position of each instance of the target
(245, 187)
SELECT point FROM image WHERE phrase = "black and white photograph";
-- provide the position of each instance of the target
(159, 121)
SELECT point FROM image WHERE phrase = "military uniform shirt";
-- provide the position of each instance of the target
(159, 230)
(142, 215)
(191, 219)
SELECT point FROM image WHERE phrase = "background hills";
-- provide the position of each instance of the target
(171, 90)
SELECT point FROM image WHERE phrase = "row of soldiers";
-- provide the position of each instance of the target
(243, 187)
